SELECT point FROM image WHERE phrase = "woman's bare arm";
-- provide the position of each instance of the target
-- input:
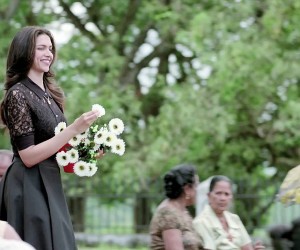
(256, 246)
(173, 239)
(37, 153)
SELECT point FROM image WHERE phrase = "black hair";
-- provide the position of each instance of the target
(216, 179)
(177, 178)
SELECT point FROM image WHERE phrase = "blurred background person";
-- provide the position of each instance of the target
(171, 225)
(218, 228)
(5, 160)
(10, 239)
(6, 244)
(8, 232)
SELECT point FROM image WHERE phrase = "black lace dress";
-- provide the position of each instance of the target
(32, 199)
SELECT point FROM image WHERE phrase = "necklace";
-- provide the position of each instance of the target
(46, 96)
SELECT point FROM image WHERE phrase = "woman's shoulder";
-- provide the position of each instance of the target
(167, 210)
(17, 89)
(206, 214)
(234, 218)
(166, 217)
(232, 215)
(165, 213)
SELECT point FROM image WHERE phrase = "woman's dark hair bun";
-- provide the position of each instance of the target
(177, 178)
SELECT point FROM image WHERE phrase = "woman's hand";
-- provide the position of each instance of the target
(258, 246)
(83, 122)
(37, 153)
(100, 154)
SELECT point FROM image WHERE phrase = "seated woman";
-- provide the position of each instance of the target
(218, 228)
(6, 157)
(171, 226)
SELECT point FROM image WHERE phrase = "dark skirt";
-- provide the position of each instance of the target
(33, 202)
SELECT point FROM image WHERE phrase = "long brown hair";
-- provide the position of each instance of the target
(20, 59)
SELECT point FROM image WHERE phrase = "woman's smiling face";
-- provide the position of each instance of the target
(43, 56)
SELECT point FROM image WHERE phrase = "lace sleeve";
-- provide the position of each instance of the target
(18, 115)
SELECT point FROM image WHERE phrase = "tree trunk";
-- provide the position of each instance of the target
(142, 213)
(77, 211)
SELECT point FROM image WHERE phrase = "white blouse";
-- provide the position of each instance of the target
(213, 235)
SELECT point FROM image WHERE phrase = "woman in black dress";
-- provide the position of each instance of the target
(31, 192)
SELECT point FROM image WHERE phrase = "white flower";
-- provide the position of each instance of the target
(81, 153)
(116, 126)
(84, 135)
(96, 147)
(62, 159)
(73, 155)
(104, 128)
(60, 127)
(100, 136)
(98, 108)
(110, 138)
(92, 169)
(118, 147)
(92, 146)
(87, 141)
(75, 140)
(81, 168)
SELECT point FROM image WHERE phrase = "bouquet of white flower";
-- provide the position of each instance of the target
(79, 155)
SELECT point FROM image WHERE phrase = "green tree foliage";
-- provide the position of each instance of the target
(254, 54)
(214, 83)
